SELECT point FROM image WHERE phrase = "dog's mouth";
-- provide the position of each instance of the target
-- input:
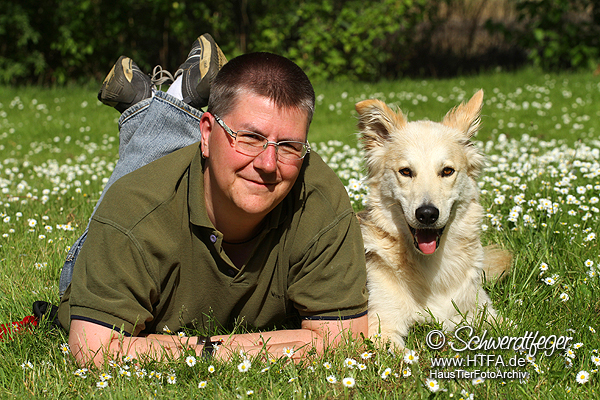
(426, 240)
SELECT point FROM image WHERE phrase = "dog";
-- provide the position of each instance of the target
(422, 221)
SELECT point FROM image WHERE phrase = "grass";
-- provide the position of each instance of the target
(540, 190)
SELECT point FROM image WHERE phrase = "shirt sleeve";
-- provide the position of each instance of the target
(329, 280)
(111, 283)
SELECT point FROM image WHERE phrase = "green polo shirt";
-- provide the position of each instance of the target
(153, 259)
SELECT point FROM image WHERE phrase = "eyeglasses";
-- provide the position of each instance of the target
(252, 144)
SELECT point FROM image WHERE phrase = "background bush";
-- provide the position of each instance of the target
(55, 41)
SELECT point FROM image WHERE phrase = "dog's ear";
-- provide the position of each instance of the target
(376, 121)
(466, 117)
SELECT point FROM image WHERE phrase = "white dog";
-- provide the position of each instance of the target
(421, 226)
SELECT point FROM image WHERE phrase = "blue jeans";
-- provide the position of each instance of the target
(148, 130)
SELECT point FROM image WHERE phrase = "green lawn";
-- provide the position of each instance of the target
(541, 192)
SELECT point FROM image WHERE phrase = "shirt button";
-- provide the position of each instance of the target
(213, 238)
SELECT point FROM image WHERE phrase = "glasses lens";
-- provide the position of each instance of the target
(252, 144)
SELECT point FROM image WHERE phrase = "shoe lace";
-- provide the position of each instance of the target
(161, 76)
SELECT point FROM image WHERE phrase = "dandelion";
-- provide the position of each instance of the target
(244, 366)
(432, 385)
(386, 373)
(331, 379)
(202, 384)
(190, 361)
(349, 382)
(582, 377)
(411, 357)
(288, 352)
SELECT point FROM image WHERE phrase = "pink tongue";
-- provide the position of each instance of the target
(426, 239)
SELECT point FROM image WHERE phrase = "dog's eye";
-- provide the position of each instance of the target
(406, 172)
(447, 171)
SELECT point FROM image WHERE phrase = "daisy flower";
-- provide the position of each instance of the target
(327, 365)
(406, 372)
(249, 392)
(172, 379)
(211, 368)
(265, 369)
(350, 362)
(477, 381)
(64, 347)
(331, 379)
(544, 267)
(244, 366)
(549, 281)
(202, 384)
(190, 361)
(564, 297)
(432, 385)
(105, 377)
(578, 345)
(288, 352)
(349, 382)
(362, 367)
(570, 353)
(366, 355)
(596, 360)
(29, 365)
(582, 377)
(411, 357)
(592, 329)
(386, 373)
(101, 384)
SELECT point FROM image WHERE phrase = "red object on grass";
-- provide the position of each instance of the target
(8, 329)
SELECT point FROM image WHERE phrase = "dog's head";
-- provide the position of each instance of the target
(419, 173)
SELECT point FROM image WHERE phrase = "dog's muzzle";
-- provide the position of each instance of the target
(426, 240)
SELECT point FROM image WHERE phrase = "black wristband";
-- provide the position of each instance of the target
(208, 347)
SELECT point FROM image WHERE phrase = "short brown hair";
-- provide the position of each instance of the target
(264, 74)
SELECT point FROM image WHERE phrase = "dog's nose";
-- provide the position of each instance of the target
(427, 215)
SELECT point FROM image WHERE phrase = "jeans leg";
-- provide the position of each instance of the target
(148, 131)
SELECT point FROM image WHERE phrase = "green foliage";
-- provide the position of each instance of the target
(60, 41)
(347, 39)
(560, 34)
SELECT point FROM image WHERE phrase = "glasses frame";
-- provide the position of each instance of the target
(234, 135)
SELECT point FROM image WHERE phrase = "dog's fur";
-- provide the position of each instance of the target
(421, 226)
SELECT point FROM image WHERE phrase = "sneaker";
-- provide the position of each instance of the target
(198, 71)
(126, 84)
